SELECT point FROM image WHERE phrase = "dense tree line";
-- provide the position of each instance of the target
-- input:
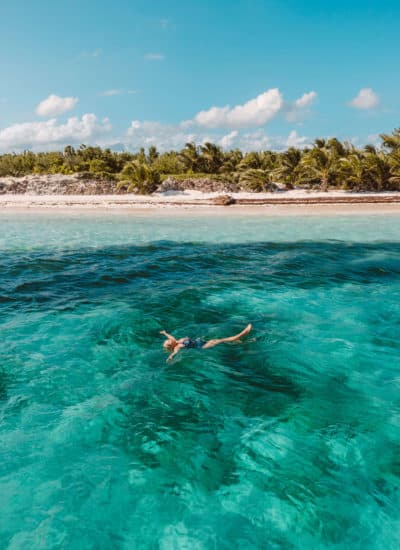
(329, 163)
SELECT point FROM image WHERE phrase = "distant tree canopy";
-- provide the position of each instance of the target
(328, 163)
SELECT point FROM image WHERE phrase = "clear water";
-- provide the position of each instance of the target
(287, 440)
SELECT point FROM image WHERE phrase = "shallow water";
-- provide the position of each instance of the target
(287, 440)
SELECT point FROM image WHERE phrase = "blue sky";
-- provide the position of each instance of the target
(255, 74)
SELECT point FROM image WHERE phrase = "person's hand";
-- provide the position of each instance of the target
(162, 332)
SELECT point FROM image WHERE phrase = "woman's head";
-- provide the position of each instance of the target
(169, 344)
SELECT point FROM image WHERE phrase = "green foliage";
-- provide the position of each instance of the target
(212, 158)
(328, 163)
(320, 165)
(392, 141)
(287, 168)
(352, 171)
(190, 157)
(256, 180)
(138, 177)
(17, 165)
(169, 163)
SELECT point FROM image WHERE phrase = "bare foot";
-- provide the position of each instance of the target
(246, 330)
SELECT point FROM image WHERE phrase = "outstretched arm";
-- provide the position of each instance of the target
(165, 333)
(177, 348)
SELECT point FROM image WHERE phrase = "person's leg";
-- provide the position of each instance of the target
(216, 341)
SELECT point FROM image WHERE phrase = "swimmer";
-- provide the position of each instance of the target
(176, 344)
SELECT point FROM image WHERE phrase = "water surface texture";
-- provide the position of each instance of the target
(287, 440)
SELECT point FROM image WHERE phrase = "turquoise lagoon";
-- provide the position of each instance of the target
(287, 440)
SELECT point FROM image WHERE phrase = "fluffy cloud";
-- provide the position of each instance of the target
(209, 125)
(227, 141)
(168, 136)
(256, 112)
(243, 122)
(48, 134)
(258, 140)
(55, 105)
(294, 140)
(305, 100)
(297, 110)
(365, 99)
(164, 136)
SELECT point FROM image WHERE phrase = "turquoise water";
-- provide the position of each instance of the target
(287, 440)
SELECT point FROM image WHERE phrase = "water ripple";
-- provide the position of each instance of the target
(288, 440)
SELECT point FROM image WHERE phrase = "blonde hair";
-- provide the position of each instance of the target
(169, 344)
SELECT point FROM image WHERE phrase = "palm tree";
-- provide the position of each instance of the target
(138, 177)
(212, 157)
(394, 162)
(336, 148)
(152, 154)
(378, 169)
(269, 160)
(231, 161)
(190, 157)
(251, 160)
(391, 141)
(352, 170)
(286, 171)
(256, 180)
(320, 143)
(318, 165)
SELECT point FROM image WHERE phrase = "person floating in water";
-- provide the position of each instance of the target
(176, 344)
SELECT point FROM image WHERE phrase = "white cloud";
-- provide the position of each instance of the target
(256, 112)
(114, 92)
(164, 136)
(243, 122)
(294, 140)
(258, 140)
(227, 141)
(48, 134)
(154, 56)
(55, 105)
(297, 110)
(169, 136)
(365, 99)
(305, 100)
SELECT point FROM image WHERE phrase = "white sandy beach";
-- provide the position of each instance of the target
(296, 202)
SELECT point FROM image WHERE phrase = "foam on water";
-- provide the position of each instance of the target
(288, 440)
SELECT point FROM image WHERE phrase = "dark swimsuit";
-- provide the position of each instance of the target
(190, 343)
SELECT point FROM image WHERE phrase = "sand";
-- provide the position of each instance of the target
(296, 202)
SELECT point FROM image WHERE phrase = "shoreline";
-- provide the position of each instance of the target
(296, 202)
(333, 203)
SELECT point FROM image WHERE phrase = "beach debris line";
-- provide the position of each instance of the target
(224, 200)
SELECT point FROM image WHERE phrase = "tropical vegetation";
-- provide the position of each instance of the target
(327, 164)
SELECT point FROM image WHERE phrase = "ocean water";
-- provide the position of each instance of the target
(289, 439)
